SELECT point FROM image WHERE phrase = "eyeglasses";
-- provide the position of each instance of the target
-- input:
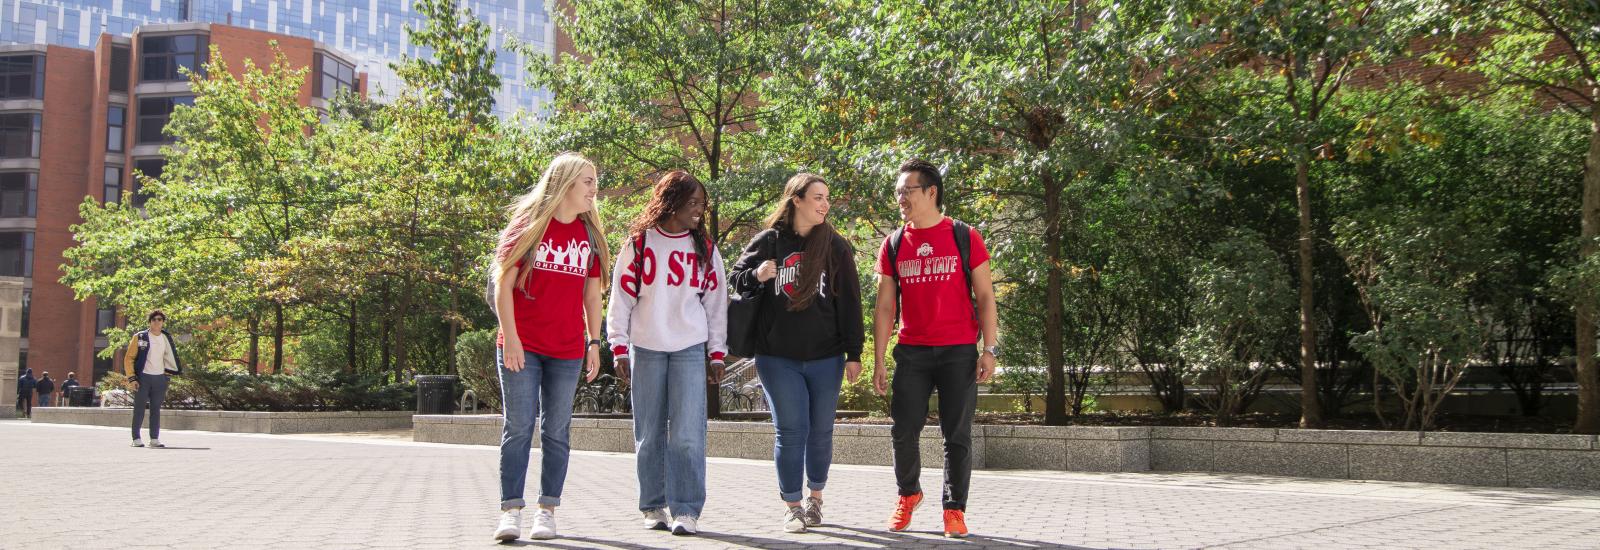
(902, 192)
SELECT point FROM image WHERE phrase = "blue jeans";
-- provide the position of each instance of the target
(804, 398)
(545, 385)
(669, 428)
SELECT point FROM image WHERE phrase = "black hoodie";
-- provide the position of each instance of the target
(830, 326)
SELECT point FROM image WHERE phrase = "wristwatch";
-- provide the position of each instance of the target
(597, 342)
(993, 350)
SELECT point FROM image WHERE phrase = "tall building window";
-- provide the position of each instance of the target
(19, 135)
(151, 168)
(161, 57)
(16, 254)
(27, 299)
(119, 68)
(154, 112)
(333, 76)
(116, 124)
(18, 194)
(113, 184)
(22, 77)
(104, 318)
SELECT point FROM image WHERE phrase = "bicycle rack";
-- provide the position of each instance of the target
(468, 403)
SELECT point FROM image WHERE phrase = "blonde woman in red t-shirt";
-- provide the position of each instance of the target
(549, 279)
(935, 272)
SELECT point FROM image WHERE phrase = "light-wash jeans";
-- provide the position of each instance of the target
(669, 428)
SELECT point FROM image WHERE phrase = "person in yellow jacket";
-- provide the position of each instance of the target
(151, 358)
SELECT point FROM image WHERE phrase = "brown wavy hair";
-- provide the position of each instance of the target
(672, 192)
(817, 248)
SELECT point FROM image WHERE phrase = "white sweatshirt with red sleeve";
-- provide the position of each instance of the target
(667, 300)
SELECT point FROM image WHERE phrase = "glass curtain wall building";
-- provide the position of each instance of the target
(371, 30)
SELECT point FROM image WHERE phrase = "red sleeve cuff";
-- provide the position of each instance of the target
(619, 350)
(717, 355)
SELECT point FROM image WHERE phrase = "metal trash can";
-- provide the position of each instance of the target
(81, 397)
(436, 394)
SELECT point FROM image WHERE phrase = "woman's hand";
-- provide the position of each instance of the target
(511, 354)
(767, 271)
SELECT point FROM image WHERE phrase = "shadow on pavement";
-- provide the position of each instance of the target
(906, 540)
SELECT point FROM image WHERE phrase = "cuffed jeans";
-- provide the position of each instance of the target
(918, 371)
(804, 398)
(152, 392)
(669, 428)
(546, 385)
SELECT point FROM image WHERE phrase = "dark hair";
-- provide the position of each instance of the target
(817, 249)
(154, 314)
(928, 176)
(673, 192)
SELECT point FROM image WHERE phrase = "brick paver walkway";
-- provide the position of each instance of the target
(248, 491)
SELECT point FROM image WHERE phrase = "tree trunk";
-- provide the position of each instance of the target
(385, 330)
(255, 344)
(401, 350)
(350, 339)
(450, 342)
(1588, 421)
(714, 227)
(1310, 411)
(1055, 400)
(277, 339)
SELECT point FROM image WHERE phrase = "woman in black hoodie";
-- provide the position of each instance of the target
(810, 335)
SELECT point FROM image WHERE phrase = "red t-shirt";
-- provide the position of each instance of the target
(549, 312)
(935, 306)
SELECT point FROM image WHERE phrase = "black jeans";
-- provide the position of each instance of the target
(919, 370)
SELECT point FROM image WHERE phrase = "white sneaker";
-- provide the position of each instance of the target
(544, 525)
(510, 525)
(657, 519)
(137, 443)
(684, 524)
(156, 444)
(794, 520)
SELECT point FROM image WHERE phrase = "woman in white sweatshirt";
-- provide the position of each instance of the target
(668, 314)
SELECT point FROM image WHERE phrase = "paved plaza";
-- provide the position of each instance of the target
(212, 490)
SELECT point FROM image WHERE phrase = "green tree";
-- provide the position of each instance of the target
(1552, 49)
(1307, 53)
(1023, 102)
(460, 72)
(244, 177)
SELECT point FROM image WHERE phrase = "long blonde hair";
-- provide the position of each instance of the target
(531, 214)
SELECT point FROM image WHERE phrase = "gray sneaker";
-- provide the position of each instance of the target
(794, 520)
(813, 513)
(137, 443)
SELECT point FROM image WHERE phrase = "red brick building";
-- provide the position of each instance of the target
(76, 123)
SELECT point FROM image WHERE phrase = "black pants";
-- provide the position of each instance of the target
(25, 405)
(919, 370)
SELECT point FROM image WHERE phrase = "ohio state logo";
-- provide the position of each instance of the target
(789, 274)
(925, 250)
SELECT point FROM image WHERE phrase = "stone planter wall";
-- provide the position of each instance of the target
(232, 421)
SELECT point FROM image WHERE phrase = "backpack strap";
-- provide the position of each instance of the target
(963, 235)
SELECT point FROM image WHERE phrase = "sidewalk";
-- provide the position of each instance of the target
(211, 490)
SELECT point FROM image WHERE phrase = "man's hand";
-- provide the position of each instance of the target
(880, 376)
(985, 367)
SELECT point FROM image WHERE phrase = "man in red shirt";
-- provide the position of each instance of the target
(933, 274)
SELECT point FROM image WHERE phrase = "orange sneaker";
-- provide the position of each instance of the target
(955, 524)
(902, 512)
